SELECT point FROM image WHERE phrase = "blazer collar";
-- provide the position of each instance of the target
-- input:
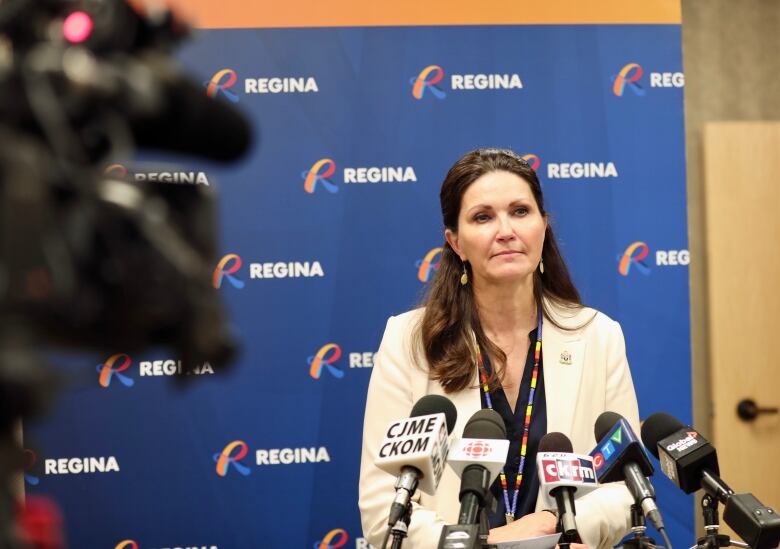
(563, 355)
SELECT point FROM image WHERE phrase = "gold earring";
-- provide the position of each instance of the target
(464, 278)
(541, 266)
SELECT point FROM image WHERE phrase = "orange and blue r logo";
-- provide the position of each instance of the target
(320, 172)
(326, 358)
(533, 161)
(628, 76)
(428, 265)
(113, 367)
(227, 267)
(635, 254)
(232, 454)
(333, 540)
(427, 80)
(220, 84)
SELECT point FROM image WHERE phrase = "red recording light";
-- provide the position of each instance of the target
(77, 27)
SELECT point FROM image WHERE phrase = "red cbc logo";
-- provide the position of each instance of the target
(477, 449)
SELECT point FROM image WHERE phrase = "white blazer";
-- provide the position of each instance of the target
(595, 379)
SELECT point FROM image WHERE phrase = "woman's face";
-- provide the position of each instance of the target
(500, 229)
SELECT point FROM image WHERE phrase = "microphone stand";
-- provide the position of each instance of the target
(639, 528)
(484, 528)
(565, 541)
(712, 539)
(401, 527)
(467, 536)
(568, 531)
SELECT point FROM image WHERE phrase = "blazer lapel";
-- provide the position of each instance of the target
(467, 402)
(563, 359)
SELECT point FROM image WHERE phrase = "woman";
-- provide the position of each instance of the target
(501, 285)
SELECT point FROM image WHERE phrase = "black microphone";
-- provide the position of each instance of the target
(183, 118)
(564, 495)
(164, 108)
(622, 458)
(691, 462)
(686, 457)
(415, 449)
(476, 461)
(186, 120)
(476, 478)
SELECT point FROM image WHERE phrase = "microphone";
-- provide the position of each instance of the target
(691, 462)
(166, 108)
(415, 450)
(163, 107)
(620, 456)
(477, 458)
(186, 120)
(561, 474)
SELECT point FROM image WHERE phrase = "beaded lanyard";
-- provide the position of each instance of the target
(509, 512)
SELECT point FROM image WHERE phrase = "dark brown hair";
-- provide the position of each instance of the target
(450, 308)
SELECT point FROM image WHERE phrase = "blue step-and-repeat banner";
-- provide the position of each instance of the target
(332, 224)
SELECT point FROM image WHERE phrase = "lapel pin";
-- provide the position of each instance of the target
(565, 358)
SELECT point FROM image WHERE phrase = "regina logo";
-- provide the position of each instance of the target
(120, 362)
(333, 540)
(126, 544)
(428, 265)
(320, 172)
(230, 265)
(112, 367)
(326, 358)
(232, 454)
(225, 79)
(573, 170)
(635, 254)
(221, 83)
(159, 174)
(629, 76)
(533, 161)
(428, 79)
(226, 269)
(431, 79)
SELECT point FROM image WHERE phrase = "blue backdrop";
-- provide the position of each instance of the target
(599, 108)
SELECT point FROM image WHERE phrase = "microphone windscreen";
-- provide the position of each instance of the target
(657, 427)
(436, 404)
(193, 123)
(604, 423)
(555, 442)
(485, 424)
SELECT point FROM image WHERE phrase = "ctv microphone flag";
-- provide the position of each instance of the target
(619, 456)
(617, 447)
